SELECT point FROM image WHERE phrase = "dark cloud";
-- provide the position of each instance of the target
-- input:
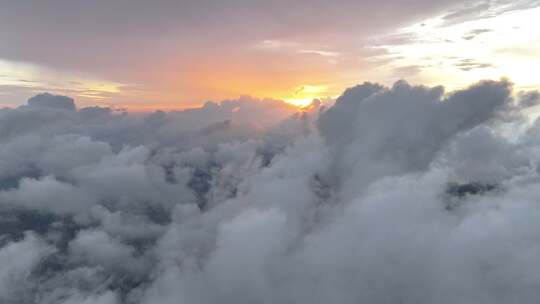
(48, 100)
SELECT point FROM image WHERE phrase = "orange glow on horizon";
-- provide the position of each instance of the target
(151, 107)
(298, 97)
(299, 104)
(180, 106)
(148, 108)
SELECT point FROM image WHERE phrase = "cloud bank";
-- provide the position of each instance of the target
(401, 194)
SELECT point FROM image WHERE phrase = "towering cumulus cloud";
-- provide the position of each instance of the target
(402, 194)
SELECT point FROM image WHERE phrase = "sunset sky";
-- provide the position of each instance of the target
(165, 54)
(269, 151)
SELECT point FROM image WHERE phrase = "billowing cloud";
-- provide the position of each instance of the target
(403, 194)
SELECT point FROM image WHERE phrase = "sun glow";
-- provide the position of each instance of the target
(299, 102)
(304, 95)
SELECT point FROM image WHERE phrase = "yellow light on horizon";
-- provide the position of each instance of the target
(304, 95)
(301, 102)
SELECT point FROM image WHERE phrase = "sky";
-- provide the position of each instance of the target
(164, 54)
(417, 181)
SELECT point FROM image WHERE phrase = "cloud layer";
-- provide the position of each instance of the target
(401, 194)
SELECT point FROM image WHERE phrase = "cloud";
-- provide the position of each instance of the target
(469, 64)
(475, 33)
(19, 260)
(364, 141)
(97, 248)
(529, 99)
(467, 13)
(52, 101)
(250, 201)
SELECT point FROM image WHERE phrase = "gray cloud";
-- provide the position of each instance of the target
(529, 99)
(52, 101)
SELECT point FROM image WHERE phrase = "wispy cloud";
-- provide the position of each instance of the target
(468, 64)
(475, 33)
